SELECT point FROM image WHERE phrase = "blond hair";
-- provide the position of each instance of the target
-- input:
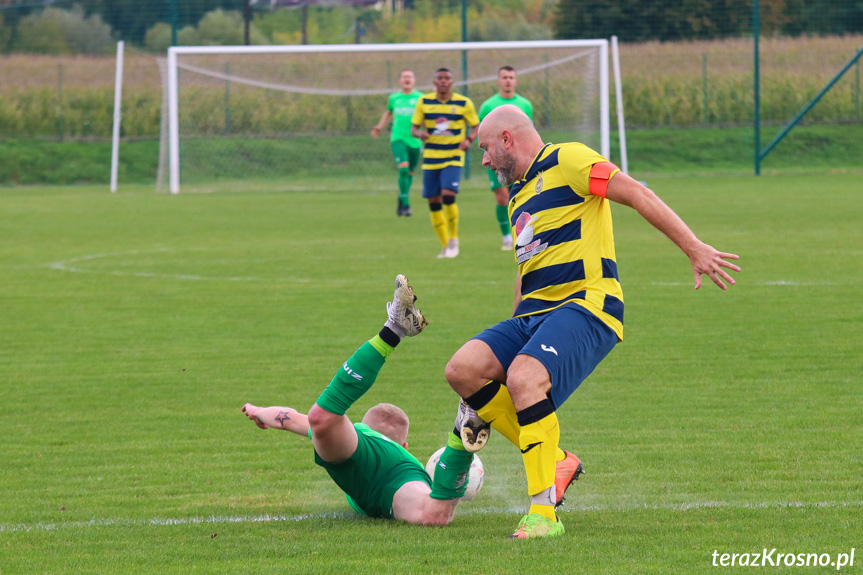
(388, 419)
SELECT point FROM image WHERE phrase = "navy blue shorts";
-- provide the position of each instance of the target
(569, 341)
(444, 179)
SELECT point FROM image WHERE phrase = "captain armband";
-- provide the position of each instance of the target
(600, 174)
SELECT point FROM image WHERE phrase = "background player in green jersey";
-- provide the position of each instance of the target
(369, 460)
(506, 83)
(406, 148)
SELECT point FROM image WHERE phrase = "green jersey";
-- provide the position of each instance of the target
(372, 475)
(402, 106)
(496, 101)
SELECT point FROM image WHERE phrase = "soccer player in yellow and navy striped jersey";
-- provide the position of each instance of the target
(568, 311)
(446, 122)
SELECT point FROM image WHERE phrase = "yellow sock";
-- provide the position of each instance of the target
(546, 511)
(451, 213)
(538, 442)
(501, 413)
(439, 224)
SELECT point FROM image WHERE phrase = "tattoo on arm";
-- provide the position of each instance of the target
(282, 417)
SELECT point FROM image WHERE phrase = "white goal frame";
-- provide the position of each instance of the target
(174, 52)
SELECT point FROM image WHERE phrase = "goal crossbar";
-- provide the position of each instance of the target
(173, 67)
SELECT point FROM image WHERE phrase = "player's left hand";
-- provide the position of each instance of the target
(464, 145)
(250, 410)
(707, 260)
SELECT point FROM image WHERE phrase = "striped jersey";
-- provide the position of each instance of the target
(448, 124)
(564, 241)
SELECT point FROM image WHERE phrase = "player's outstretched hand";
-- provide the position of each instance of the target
(250, 410)
(707, 260)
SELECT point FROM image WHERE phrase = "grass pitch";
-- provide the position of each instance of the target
(135, 326)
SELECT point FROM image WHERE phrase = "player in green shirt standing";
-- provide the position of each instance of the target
(506, 82)
(406, 148)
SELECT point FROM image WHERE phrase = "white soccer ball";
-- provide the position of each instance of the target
(477, 473)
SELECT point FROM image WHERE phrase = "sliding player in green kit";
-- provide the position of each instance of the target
(406, 148)
(506, 82)
(369, 460)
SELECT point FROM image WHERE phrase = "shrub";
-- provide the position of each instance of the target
(55, 31)
(226, 28)
(158, 38)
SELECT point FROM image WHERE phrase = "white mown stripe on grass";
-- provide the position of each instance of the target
(471, 510)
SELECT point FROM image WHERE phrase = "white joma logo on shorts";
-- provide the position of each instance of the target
(548, 348)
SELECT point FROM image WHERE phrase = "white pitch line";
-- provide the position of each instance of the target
(781, 283)
(69, 266)
(470, 510)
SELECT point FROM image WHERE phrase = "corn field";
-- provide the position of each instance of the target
(670, 84)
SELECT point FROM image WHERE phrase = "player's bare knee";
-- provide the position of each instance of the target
(437, 514)
(458, 374)
(527, 381)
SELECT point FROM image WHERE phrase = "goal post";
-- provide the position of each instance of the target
(220, 99)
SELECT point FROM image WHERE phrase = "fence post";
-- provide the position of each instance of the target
(547, 95)
(61, 121)
(756, 31)
(857, 74)
(227, 97)
(705, 114)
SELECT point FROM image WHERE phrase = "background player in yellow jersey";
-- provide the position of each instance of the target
(445, 121)
(568, 312)
(405, 147)
(506, 83)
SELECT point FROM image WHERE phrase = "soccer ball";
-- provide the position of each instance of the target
(477, 473)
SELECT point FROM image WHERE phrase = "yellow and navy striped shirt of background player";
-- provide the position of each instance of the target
(564, 237)
(446, 123)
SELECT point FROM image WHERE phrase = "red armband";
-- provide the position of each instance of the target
(600, 175)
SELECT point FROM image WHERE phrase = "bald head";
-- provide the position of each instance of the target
(510, 142)
(507, 117)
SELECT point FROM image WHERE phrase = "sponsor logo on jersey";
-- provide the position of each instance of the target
(441, 127)
(527, 246)
(524, 228)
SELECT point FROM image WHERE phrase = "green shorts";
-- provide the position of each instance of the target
(373, 474)
(404, 153)
(493, 182)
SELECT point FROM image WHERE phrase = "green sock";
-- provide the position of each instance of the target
(383, 347)
(453, 470)
(502, 219)
(404, 186)
(354, 378)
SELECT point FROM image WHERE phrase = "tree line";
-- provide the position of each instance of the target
(643, 20)
(92, 26)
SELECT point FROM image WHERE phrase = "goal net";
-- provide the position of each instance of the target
(268, 114)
